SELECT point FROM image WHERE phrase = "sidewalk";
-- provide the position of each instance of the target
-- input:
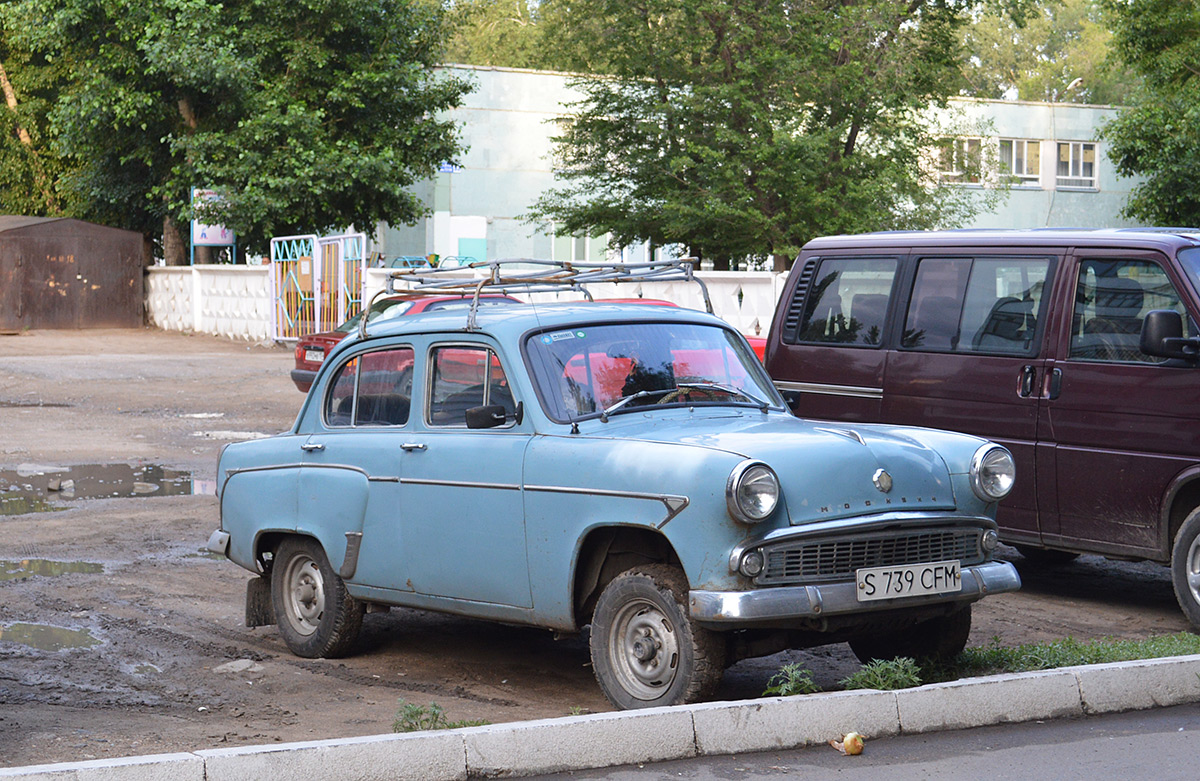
(659, 734)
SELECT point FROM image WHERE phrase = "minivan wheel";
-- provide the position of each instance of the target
(316, 615)
(645, 649)
(943, 637)
(1185, 567)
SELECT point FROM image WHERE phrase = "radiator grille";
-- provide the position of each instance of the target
(811, 561)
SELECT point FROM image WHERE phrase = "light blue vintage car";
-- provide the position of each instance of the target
(625, 467)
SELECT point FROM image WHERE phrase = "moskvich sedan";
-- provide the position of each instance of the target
(626, 468)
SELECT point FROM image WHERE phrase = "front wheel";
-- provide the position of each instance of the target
(943, 637)
(645, 649)
(316, 615)
(1185, 567)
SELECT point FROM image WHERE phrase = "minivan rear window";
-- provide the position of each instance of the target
(976, 305)
(847, 301)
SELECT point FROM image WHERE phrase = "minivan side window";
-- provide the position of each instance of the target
(1112, 298)
(847, 301)
(976, 305)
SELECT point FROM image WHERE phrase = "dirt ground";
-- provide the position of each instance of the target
(120, 635)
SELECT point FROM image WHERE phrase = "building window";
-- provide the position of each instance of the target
(959, 160)
(1076, 164)
(1021, 161)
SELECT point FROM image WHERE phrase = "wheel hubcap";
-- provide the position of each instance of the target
(305, 595)
(644, 650)
(1192, 569)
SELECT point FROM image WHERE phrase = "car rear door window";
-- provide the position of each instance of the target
(847, 302)
(372, 389)
(976, 305)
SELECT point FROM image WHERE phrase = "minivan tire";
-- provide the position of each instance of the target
(943, 637)
(1185, 567)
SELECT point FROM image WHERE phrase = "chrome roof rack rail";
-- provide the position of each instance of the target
(528, 275)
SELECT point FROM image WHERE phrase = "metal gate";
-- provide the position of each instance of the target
(317, 282)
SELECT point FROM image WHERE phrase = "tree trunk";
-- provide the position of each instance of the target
(39, 174)
(174, 253)
(780, 262)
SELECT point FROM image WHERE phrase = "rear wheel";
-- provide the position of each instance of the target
(1185, 567)
(940, 638)
(316, 615)
(645, 649)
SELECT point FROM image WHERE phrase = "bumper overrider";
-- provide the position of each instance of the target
(833, 599)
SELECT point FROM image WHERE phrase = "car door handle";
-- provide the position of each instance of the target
(309, 447)
(1028, 380)
(1055, 384)
(411, 446)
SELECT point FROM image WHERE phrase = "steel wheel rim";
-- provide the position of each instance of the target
(644, 650)
(1191, 570)
(304, 594)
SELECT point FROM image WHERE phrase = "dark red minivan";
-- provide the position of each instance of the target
(1077, 350)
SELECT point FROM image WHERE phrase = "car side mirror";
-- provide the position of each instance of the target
(492, 415)
(1162, 336)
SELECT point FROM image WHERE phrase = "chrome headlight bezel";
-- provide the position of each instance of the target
(993, 472)
(751, 479)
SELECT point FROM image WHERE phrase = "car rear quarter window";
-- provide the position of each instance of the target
(976, 305)
(845, 300)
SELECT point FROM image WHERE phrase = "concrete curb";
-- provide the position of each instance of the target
(657, 734)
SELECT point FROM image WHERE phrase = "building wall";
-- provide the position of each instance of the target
(508, 121)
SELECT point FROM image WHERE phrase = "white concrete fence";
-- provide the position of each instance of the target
(238, 302)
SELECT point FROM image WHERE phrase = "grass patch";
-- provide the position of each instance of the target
(411, 717)
(992, 659)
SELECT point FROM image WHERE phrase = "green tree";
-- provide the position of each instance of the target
(30, 171)
(1057, 51)
(1158, 137)
(742, 128)
(305, 115)
(503, 33)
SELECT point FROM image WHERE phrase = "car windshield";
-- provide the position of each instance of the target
(597, 370)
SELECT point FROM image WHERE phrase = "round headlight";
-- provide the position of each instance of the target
(992, 473)
(752, 492)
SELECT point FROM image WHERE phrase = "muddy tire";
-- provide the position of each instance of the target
(645, 649)
(1185, 567)
(943, 637)
(316, 616)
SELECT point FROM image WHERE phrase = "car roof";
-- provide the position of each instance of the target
(510, 322)
(1162, 238)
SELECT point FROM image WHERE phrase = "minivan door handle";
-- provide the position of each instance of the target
(1028, 380)
(1055, 384)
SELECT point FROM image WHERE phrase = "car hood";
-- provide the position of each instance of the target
(826, 470)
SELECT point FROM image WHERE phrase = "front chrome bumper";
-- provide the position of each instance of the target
(832, 599)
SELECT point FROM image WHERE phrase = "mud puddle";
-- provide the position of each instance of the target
(27, 568)
(35, 488)
(45, 637)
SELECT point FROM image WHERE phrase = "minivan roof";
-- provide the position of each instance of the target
(1160, 238)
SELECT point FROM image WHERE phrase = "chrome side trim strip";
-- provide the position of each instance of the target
(459, 484)
(674, 504)
(856, 391)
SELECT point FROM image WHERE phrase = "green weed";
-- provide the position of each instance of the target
(886, 674)
(791, 679)
(411, 717)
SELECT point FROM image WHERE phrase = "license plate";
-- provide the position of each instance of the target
(910, 580)
(314, 356)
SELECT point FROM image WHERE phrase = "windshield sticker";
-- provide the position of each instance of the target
(561, 336)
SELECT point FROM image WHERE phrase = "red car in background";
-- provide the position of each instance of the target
(312, 349)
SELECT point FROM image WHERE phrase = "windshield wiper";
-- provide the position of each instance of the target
(621, 402)
(732, 391)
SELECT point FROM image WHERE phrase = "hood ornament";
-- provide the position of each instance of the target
(882, 480)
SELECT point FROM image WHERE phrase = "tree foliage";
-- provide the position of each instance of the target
(304, 114)
(1158, 137)
(745, 127)
(1057, 50)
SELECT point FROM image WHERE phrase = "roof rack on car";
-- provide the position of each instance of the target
(528, 275)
